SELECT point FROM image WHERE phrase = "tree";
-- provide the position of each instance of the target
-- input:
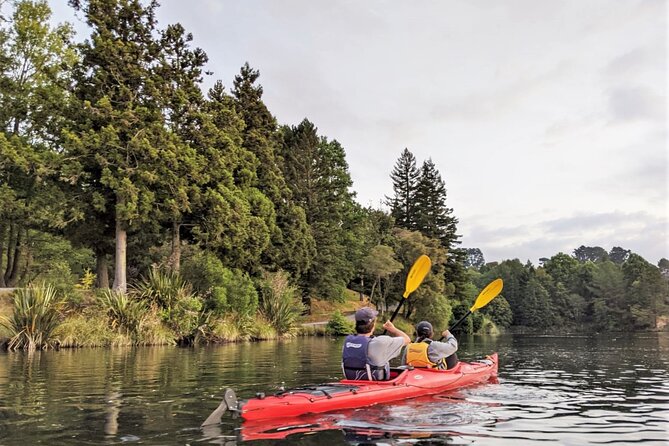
(116, 139)
(590, 253)
(619, 255)
(292, 246)
(433, 292)
(562, 269)
(663, 265)
(474, 258)
(317, 174)
(432, 217)
(380, 263)
(610, 309)
(646, 291)
(405, 177)
(180, 69)
(35, 61)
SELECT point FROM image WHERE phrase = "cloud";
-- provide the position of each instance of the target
(641, 232)
(631, 103)
(629, 62)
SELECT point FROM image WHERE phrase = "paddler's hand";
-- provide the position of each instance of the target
(446, 334)
(390, 328)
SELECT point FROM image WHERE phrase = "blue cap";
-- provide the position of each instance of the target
(366, 314)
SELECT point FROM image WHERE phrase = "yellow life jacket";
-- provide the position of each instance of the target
(417, 355)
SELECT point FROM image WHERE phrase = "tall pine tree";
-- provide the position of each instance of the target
(292, 245)
(432, 217)
(405, 177)
(317, 174)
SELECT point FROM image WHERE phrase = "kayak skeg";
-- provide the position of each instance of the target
(348, 394)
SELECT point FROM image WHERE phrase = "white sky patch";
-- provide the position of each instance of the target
(533, 112)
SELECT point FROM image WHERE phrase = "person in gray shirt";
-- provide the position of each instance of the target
(367, 357)
(425, 352)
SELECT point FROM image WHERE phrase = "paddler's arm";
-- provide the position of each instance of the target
(390, 328)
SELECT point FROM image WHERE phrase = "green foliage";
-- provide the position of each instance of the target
(223, 290)
(499, 312)
(86, 281)
(434, 308)
(125, 312)
(338, 325)
(175, 300)
(262, 329)
(433, 218)
(35, 318)
(317, 174)
(280, 303)
(89, 329)
(380, 264)
(405, 177)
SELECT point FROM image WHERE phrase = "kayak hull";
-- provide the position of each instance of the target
(349, 394)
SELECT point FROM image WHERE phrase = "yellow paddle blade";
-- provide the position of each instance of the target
(417, 273)
(489, 293)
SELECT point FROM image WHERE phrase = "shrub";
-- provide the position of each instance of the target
(35, 317)
(338, 325)
(280, 305)
(223, 290)
(89, 329)
(262, 329)
(174, 299)
(488, 327)
(86, 281)
(125, 312)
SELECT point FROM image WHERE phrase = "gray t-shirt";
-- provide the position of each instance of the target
(382, 349)
(438, 350)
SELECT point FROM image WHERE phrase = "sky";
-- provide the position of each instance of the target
(546, 119)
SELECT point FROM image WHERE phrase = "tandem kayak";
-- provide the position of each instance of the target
(348, 394)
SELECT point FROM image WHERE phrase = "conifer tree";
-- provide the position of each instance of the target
(116, 141)
(405, 177)
(432, 217)
(292, 245)
(317, 174)
(35, 63)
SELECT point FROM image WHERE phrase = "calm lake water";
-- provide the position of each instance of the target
(606, 389)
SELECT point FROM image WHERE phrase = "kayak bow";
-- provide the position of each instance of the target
(347, 394)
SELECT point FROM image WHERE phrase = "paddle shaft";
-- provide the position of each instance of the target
(397, 310)
(458, 323)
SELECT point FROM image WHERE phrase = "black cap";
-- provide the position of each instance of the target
(424, 328)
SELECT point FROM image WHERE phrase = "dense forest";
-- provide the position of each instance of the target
(194, 210)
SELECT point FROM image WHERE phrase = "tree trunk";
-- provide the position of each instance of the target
(362, 287)
(101, 270)
(175, 256)
(120, 283)
(3, 229)
(11, 245)
(13, 278)
(371, 295)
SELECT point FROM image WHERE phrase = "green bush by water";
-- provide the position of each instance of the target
(35, 317)
(280, 304)
(338, 325)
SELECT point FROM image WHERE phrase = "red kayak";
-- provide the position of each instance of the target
(347, 394)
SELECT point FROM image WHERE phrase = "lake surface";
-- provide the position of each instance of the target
(605, 389)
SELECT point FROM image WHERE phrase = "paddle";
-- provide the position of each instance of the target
(417, 273)
(489, 293)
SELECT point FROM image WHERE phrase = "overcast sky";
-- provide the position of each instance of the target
(547, 119)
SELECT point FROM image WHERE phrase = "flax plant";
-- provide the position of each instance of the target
(35, 318)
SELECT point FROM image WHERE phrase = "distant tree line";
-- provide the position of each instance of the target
(114, 157)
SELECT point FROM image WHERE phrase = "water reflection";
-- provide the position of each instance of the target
(576, 390)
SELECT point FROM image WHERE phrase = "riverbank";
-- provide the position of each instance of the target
(103, 319)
